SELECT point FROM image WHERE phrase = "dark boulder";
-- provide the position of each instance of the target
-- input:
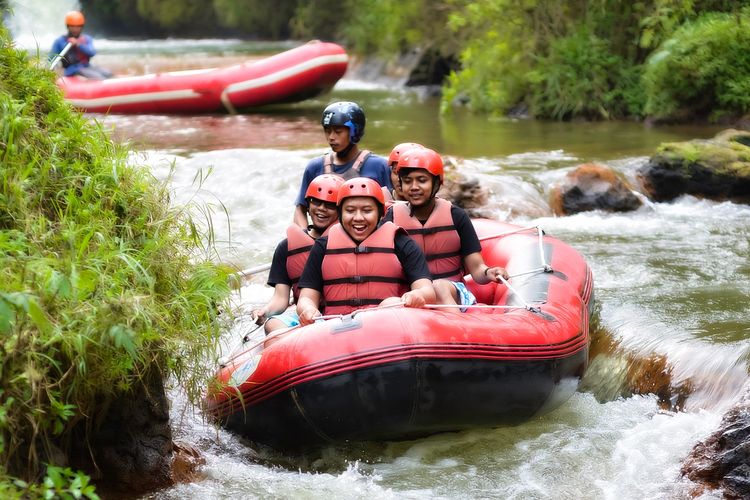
(721, 461)
(593, 187)
(717, 169)
(130, 449)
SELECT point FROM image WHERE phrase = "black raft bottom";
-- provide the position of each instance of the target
(409, 399)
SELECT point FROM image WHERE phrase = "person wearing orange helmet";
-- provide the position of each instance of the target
(344, 126)
(442, 230)
(343, 277)
(396, 153)
(76, 60)
(291, 253)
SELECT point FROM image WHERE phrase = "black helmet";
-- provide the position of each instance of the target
(347, 114)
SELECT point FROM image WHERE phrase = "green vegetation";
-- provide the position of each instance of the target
(596, 59)
(101, 280)
(702, 69)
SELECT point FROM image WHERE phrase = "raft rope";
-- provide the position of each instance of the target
(540, 232)
(545, 267)
(224, 98)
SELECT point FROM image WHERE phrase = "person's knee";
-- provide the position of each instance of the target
(273, 324)
(445, 292)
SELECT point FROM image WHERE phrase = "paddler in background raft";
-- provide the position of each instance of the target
(442, 230)
(76, 50)
(290, 255)
(360, 264)
(343, 125)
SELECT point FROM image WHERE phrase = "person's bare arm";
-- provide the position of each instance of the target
(421, 293)
(480, 272)
(307, 305)
(278, 303)
(300, 216)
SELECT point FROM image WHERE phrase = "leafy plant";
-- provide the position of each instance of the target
(702, 70)
(101, 278)
(580, 76)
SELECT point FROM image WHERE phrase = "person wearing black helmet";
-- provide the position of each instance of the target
(343, 125)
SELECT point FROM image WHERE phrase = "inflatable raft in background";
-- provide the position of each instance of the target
(290, 76)
(400, 373)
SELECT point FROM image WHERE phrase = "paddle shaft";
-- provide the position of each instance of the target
(59, 56)
(254, 270)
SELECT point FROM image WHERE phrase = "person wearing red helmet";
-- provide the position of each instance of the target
(344, 278)
(344, 126)
(76, 60)
(442, 230)
(396, 153)
(291, 253)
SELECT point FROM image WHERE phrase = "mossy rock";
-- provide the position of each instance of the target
(717, 169)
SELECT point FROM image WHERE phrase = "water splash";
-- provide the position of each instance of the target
(34, 24)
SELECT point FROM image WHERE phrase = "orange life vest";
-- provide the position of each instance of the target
(350, 173)
(437, 238)
(356, 276)
(299, 244)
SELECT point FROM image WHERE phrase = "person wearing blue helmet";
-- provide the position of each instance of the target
(343, 125)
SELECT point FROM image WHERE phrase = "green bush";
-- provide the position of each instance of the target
(581, 77)
(703, 70)
(259, 18)
(101, 279)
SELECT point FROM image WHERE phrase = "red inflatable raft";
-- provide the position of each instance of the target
(294, 75)
(399, 373)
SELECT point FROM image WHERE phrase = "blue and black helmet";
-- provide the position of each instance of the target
(347, 114)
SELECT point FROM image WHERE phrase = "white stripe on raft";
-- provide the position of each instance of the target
(168, 95)
(286, 73)
(273, 78)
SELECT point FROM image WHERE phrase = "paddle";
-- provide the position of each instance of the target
(253, 270)
(59, 56)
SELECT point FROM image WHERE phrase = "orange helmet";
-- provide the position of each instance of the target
(424, 158)
(400, 149)
(325, 187)
(74, 18)
(361, 186)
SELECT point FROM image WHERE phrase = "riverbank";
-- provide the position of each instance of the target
(106, 289)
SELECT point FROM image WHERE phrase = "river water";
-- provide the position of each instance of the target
(672, 282)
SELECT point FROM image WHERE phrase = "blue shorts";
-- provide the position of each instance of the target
(465, 297)
(289, 318)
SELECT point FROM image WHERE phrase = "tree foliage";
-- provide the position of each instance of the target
(702, 69)
(556, 59)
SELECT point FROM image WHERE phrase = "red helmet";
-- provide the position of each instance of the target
(400, 149)
(74, 18)
(325, 187)
(424, 158)
(361, 186)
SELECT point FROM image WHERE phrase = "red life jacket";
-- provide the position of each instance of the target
(350, 173)
(357, 276)
(75, 55)
(299, 244)
(437, 238)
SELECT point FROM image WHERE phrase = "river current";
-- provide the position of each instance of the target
(672, 281)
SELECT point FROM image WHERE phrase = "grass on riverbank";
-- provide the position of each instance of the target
(100, 278)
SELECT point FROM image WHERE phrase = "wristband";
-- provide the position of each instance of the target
(485, 271)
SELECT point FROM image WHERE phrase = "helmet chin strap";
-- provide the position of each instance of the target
(430, 202)
(435, 186)
(320, 230)
(344, 152)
